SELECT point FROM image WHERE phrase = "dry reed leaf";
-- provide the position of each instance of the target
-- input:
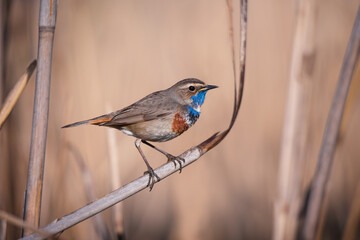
(15, 93)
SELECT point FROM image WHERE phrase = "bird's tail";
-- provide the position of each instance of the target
(94, 121)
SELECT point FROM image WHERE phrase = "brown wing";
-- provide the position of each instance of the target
(153, 106)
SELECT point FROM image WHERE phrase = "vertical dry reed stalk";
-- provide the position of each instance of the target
(325, 160)
(296, 124)
(3, 145)
(32, 203)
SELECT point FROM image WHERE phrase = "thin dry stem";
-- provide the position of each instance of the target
(238, 92)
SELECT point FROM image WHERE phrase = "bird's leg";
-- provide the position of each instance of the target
(152, 175)
(168, 155)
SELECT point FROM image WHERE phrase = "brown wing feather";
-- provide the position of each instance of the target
(153, 106)
(150, 107)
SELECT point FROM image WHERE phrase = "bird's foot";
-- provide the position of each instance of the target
(153, 178)
(175, 160)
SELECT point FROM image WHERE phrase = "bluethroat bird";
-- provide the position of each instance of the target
(158, 117)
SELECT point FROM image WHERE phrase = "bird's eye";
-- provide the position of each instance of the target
(192, 88)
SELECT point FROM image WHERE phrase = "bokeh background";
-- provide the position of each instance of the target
(109, 54)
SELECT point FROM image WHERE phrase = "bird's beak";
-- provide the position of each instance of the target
(208, 87)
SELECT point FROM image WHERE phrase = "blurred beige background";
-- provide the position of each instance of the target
(109, 54)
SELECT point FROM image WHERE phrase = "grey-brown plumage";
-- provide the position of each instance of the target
(158, 117)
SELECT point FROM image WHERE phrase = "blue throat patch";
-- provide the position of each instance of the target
(197, 101)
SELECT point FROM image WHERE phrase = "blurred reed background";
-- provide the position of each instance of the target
(109, 54)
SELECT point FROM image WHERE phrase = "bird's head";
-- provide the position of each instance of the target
(191, 92)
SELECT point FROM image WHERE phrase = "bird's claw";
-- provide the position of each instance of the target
(153, 178)
(175, 160)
